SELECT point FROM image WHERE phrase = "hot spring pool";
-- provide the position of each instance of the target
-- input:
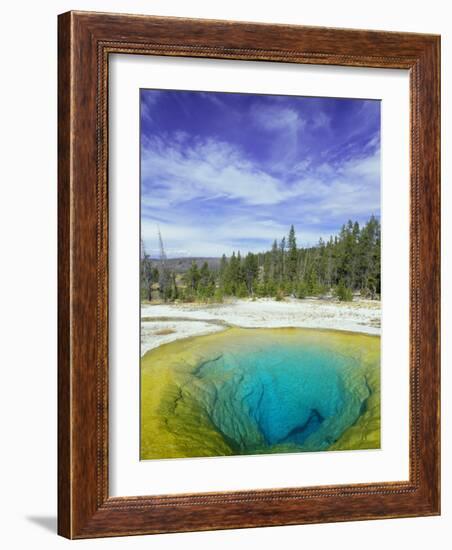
(253, 391)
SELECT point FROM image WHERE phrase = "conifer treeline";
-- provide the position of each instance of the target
(343, 265)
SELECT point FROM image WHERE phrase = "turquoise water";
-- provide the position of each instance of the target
(281, 395)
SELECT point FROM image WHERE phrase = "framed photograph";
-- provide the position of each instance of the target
(248, 275)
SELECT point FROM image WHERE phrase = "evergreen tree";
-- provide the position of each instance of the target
(193, 277)
(292, 259)
(343, 292)
(206, 284)
(282, 261)
(250, 268)
(266, 270)
(232, 275)
(146, 274)
(204, 275)
(222, 274)
(274, 261)
(174, 292)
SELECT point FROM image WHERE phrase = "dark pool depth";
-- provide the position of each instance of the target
(280, 395)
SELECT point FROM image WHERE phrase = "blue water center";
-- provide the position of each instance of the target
(281, 397)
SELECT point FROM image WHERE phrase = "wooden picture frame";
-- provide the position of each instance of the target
(85, 42)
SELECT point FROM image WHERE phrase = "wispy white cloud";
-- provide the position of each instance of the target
(321, 120)
(275, 117)
(206, 169)
(147, 103)
(213, 98)
(180, 176)
(179, 172)
(284, 126)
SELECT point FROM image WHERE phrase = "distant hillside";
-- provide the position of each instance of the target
(182, 265)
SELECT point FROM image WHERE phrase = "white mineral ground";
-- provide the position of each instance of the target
(163, 323)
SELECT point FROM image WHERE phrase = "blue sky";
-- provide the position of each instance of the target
(223, 172)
